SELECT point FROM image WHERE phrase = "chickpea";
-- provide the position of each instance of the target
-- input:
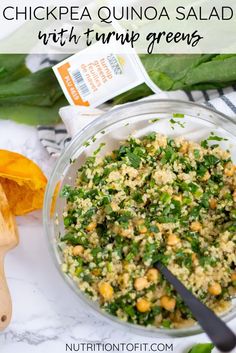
(229, 169)
(106, 291)
(176, 316)
(206, 176)
(78, 250)
(184, 147)
(141, 226)
(143, 305)
(215, 289)
(194, 257)
(195, 226)
(91, 226)
(168, 303)
(172, 240)
(153, 275)
(140, 283)
(178, 198)
(233, 276)
(126, 232)
(116, 228)
(142, 229)
(213, 203)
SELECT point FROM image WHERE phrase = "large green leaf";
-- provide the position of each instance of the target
(39, 89)
(12, 67)
(186, 72)
(32, 115)
(202, 348)
(223, 70)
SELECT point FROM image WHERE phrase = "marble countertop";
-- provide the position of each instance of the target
(47, 315)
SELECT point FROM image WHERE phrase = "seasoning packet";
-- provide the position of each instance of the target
(94, 75)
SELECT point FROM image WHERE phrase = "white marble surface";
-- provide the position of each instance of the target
(46, 313)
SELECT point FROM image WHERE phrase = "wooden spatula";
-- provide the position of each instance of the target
(8, 240)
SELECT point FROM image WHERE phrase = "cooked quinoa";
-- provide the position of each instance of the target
(153, 199)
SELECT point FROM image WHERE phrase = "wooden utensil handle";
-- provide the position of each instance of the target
(5, 298)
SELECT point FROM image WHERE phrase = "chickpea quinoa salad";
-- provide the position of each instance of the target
(153, 199)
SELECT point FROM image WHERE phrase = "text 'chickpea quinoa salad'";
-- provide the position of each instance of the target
(153, 199)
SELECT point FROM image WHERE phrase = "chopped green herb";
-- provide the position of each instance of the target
(134, 159)
(178, 115)
(202, 348)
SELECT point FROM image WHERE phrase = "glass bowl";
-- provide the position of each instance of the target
(113, 127)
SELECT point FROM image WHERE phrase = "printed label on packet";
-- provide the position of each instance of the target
(92, 76)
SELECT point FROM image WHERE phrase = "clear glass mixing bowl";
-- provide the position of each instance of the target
(112, 128)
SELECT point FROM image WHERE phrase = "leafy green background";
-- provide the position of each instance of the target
(185, 72)
(35, 98)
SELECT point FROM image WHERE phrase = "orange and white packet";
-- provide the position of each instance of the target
(94, 75)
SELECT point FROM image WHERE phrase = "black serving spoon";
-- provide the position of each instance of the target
(222, 337)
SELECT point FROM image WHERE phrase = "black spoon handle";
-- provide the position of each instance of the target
(222, 337)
